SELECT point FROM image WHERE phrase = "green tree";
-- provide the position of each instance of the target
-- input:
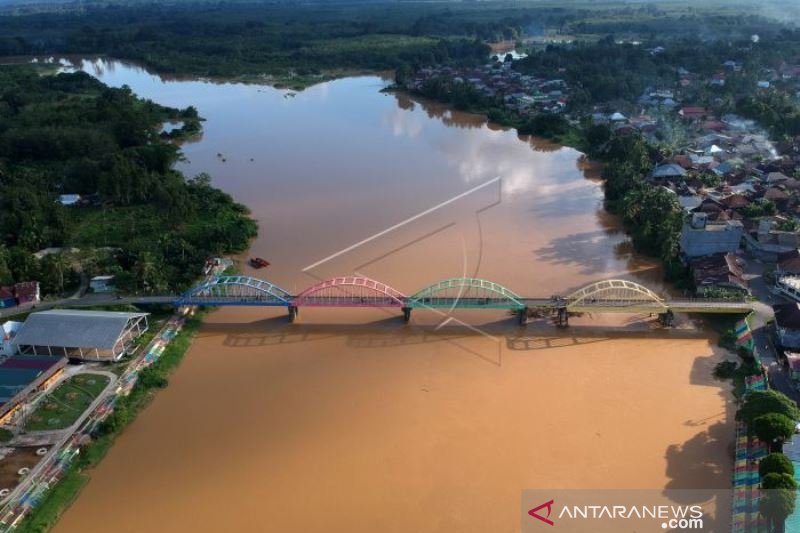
(776, 463)
(773, 480)
(54, 273)
(776, 505)
(758, 403)
(773, 428)
(6, 277)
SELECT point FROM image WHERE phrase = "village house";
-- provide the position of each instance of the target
(700, 237)
(717, 272)
(787, 324)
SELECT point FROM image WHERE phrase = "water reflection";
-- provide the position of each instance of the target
(359, 417)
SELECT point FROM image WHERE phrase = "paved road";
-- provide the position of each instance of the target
(87, 301)
(763, 331)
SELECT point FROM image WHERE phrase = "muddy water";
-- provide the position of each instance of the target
(348, 420)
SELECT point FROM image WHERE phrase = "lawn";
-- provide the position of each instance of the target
(64, 405)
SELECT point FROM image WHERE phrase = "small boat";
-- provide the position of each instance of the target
(257, 262)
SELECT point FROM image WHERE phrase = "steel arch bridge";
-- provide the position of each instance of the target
(609, 296)
(615, 295)
(466, 293)
(350, 291)
(236, 290)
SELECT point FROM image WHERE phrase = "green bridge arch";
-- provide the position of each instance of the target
(465, 293)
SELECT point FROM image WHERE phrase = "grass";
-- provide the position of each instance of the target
(5, 435)
(60, 497)
(55, 502)
(62, 407)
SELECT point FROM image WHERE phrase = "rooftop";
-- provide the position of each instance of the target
(19, 371)
(74, 329)
(787, 315)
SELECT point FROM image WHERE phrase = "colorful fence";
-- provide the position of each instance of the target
(744, 337)
(746, 480)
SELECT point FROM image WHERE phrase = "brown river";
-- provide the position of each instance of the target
(349, 420)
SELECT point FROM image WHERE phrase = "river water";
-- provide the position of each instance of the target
(350, 421)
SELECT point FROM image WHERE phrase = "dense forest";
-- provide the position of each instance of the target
(139, 219)
(297, 44)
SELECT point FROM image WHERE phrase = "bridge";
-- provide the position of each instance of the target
(609, 296)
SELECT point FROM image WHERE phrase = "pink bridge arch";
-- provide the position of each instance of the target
(350, 291)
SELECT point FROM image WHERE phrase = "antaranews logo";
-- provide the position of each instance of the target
(612, 511)
(546, 519)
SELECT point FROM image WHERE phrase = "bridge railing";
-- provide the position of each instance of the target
(709, 300)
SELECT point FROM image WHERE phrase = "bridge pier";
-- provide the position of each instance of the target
(406, 314)
(522, 316)
(667, 318)
(563, 317)
(293, 312)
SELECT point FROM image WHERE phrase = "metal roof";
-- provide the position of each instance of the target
(74, 329)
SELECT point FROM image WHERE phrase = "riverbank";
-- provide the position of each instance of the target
(153, 377)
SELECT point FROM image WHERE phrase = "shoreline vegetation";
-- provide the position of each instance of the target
(70, 136)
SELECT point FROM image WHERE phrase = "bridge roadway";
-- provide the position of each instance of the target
(608, 296)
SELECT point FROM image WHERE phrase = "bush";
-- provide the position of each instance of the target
(727, 340)
(725, 370)
(775, 463)
(760, 403)
(774, 480)
(776, 506)
(773, 427)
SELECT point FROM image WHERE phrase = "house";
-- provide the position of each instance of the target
(102, 284)
(774, 178)
(788, 264)
(787, 324)
(690, 202)
(774, 194)
(735, 201)
(9, 330)
(717, 272)
(692, 112)
(27, 292)
(700, 237)
(668, 171)
(717, 80)
(769, 244)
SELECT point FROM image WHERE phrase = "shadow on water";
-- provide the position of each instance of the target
(588, 251)
(690, 467)
(391, 332)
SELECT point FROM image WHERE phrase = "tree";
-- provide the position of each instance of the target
(776, 505)
(54, 273)
(6, 278)
(775, 463)
(773, 428)
(759, 403)
(773, 480)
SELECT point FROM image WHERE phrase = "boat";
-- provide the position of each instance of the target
(257, 262)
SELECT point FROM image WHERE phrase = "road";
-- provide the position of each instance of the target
(87, 300)
(762, 330)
